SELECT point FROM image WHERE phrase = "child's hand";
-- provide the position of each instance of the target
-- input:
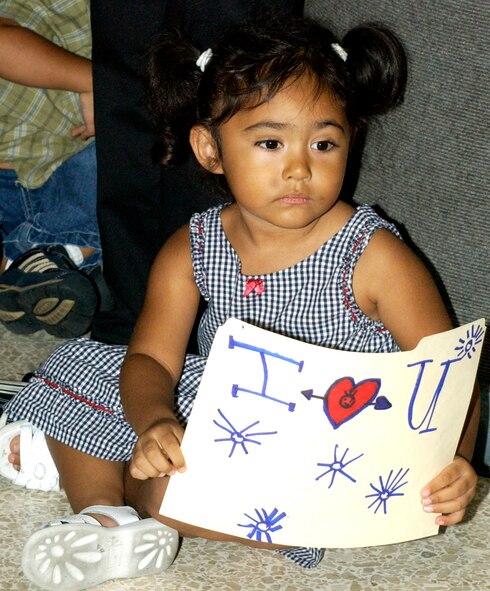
(157, 451)
(87, 130)
(450, 492)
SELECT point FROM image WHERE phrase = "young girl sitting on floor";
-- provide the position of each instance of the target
(274, 111)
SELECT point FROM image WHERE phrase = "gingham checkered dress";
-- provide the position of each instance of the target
(74, 396)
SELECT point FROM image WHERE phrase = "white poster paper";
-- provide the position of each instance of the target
(301, 445)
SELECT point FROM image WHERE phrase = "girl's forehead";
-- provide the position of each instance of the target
(300, 97)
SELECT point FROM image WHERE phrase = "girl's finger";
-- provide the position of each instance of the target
(451, 518)
(152, 460)
(454, 506)
(136, 472)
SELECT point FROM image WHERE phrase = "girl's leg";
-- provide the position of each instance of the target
(104, 539)
(88, 480)
(146, 497)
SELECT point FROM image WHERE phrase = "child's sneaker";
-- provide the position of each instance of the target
(44, 289)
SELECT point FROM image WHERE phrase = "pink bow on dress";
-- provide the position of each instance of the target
(254, 286)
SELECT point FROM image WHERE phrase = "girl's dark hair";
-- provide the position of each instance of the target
(252, 63)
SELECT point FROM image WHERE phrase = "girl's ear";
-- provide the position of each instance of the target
(205, 149)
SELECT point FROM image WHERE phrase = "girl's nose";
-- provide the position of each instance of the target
(297, 168)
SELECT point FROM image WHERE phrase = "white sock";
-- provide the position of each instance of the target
(75, 253)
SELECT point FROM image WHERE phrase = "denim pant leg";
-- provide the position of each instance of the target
(62, 211)
(12, 210)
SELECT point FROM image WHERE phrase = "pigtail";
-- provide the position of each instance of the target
(171, 88)
(378, 66)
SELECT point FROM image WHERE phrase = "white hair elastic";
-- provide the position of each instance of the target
(340, 51)
(203, 59)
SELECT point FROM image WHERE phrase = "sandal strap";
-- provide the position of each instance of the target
(121, 515)
(77, 519)
(38, 471)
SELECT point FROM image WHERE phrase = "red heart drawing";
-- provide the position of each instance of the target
(345, 399)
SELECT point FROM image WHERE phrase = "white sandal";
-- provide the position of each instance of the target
(76, 552)
(37, 470)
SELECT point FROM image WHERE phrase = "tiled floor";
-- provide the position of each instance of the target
(456, 560)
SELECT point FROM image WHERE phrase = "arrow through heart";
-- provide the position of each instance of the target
(345, 399)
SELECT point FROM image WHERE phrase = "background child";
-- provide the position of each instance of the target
(48, 169)
(276, 111)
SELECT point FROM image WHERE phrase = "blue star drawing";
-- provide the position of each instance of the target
(242, 437)
(263, 524)
(467, 347)
(388, 489)
(337, 466)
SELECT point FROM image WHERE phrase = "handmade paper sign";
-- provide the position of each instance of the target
(296, 444)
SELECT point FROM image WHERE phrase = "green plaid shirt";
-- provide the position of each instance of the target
(35, 124)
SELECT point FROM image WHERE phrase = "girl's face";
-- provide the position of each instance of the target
(285, 160)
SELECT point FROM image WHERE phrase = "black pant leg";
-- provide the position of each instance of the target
(128, 180)
(138, 206)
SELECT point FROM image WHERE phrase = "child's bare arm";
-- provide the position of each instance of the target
(148, 399)
(155, 357)
(392, 285)
(31, 60)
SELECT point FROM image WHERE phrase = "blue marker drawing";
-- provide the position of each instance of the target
(467, 347)
(337, 466)
(241, 437)
(263, 524)
(387, 489)
(264, 353)
(426, 421)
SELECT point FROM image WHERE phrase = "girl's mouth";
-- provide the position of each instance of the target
(295, 199)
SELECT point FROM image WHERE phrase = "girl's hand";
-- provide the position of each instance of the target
(450, 492)
(157, 451)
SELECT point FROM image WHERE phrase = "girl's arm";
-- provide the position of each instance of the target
(155, 357)
(392, 285)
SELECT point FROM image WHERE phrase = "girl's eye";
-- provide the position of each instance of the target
(322, 146)
(269, 144)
